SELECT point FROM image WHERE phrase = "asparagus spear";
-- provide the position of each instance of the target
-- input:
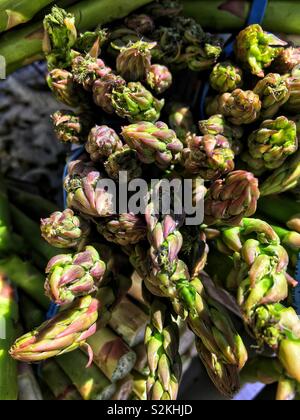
(219, 16)
(5, 227)
(58, 382)
(31, 204)
(284, 178)
(124, 389)
(27, 277)
(31, 314)
(8, 320)
(90, 382)
(111, 354)
(14, 13)
(280, 209)
(138, 292)
(139, 387)
(129, 322)
(29, 389)
(24, 46)
(31, 231)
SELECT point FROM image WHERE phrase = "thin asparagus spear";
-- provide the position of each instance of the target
(129, 322)
(8, 333)
(29, 389)
(27, 277)
(90, 382)
(111, 354)
(58, 382)
(24, 46)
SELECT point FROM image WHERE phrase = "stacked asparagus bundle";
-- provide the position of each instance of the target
(117, 116)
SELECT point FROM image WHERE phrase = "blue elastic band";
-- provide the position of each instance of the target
(257, 12)
(256, 15)
(297, 289)
(53, 309)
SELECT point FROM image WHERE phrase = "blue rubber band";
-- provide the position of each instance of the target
(256, 15)
(297, 289)
(53, 309)
(257, 12)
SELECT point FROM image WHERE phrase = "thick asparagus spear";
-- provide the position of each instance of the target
(8, 321)
(220, 16)
(31, 315)
(14, 13)
(27, 277)
(31, 204)
(29, 389)
(111, 354)
(24, 46)
(90, 382)
(129, 322)
(58, 382)
(124, 389)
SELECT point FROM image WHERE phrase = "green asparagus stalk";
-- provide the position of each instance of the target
(26, 277)
(17, 12)
(8, 321)
(164, 361)
(283, 179)
(29, 389)
(5, 221)
(291, 242)
(32, 204)
(58, 382)
(129, 322)
(279, 209)
(31, 315)
(31, 231)
(111, 354)
(221, 16)
(24, 46)
(90, 382)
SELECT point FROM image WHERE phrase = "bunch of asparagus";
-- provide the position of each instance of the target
(119, 365)
(247, 148)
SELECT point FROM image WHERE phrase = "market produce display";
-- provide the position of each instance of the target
(132, 297)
